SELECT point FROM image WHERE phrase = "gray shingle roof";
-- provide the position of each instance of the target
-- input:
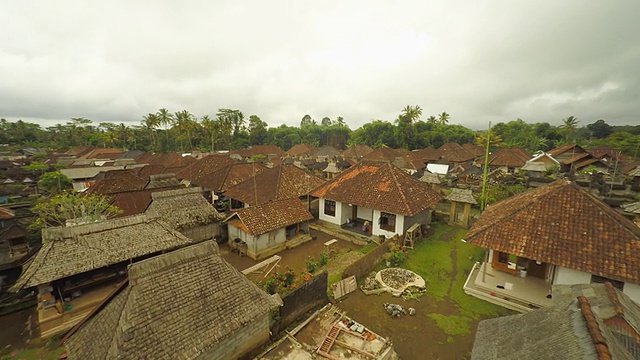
(183, 208)
(73, 250)
(462, 196)
(177, 305)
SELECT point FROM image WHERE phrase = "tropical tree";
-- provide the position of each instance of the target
(150, 123)
(257, 130)
(570, 125)
(68, 207)
(307, 120)
(432, 119)
(443, 118)
(54, 182)
(411, 114)
(326, 121)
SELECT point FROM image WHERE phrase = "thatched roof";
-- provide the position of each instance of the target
(461, 196)
(633, 208)
(183, 208)
(178, 305)
(77, 249)
(430, 178)
(157, 181)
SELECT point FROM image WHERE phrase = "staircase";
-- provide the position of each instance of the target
(326, 345)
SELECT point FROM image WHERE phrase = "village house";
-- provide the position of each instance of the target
(263, 230)
(559, 234)
(185, 304)
(300, 151)
(356, 152)
(325, 153)
(454, 154)
(586, 321)
(377, 196)
(283, 182)
(186, 211)
(508, 160)
(573, 158)
(78, 266)
(539, 165)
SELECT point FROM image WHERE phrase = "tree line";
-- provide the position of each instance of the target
(165, 131)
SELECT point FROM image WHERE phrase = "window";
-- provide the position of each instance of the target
(387, 221)
(330, 208)
(601, 280)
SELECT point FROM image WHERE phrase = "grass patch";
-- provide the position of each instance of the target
(42, 353)
(367, 248)
(452, 325)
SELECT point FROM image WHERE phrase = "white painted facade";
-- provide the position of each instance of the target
(566, 276)
(344, 211)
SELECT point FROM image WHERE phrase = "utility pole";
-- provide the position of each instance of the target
(483, 203)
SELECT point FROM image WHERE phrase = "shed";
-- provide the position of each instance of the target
(464, 197)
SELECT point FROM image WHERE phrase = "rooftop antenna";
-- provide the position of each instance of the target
(483, 203)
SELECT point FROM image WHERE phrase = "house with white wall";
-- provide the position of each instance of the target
(559, 234)
(377, 194)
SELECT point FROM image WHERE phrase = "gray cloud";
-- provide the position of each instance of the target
(480, 61)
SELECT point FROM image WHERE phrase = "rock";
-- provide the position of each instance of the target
(394, 310)
(412, 311)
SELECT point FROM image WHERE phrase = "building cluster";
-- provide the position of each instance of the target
(152, 277)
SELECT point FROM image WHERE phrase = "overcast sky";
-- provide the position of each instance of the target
(477, 60)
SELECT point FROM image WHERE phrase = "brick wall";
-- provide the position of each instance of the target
(302, 300)
(366, 263)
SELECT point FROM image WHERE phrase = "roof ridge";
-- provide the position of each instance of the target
(599, 341)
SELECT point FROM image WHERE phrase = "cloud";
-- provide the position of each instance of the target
(480, 61)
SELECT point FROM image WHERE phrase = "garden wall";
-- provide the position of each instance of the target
(302, 300)
(366, 263)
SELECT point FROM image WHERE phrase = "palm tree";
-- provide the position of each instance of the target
(432, 119)
(184, 120)
(411, 113)
(494, 139)
(443, 118)
(150, 122)
(570, 125)
(165, 119)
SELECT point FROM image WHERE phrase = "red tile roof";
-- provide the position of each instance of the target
(221, 179)
(286, 181)
(261, 219)
(300, 150)
(357, 151)
(384, 154)
(510, 157)
(381, 186)
(116, 181)
(562, 224)
(204, 167)
(454, 152)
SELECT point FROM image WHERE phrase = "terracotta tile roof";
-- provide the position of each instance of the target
(357, 152)
(77, 249)
(117, 181)
(383, 154)
(101, 153)
(78, 151)
(261, 219)
(300, 150)
(564, 225)
(146, 171)
(381, 186)
(454, 152)
(178, 305)
(286, 181)
(204, 166)
(428, 154)
(510, 157)
(132, 202)
(326, 151)
(259, 150)
(221, 179)
(474, 149)
(571, 149)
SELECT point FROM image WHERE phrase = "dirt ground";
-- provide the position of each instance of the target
(414, 337)
(12, 330)
(295, 258)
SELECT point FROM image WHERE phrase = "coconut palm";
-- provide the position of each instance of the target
(149, 123)
(570, 125)
(411, 113)
(443, 118)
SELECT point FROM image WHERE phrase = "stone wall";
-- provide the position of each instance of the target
(366, 263)
(203, 232)
(246, 339)
(311, 295)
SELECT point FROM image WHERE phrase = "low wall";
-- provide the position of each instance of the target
(311, 295)
(366, 263)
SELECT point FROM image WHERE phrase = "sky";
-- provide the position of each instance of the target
(480, 61)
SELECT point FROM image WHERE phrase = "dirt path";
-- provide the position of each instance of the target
(454, 263)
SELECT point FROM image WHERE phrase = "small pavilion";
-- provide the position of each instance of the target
(462, 197)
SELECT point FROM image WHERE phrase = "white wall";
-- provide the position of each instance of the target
(346, 211)
(365, 213)
(378, 231)
(331, 219)
(632, 291)
(566, 276)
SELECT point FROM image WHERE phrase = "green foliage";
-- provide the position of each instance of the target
(69, 206)
(323, 259)
(311, 264)
(499, 192)
(35, 167)
(396, 255)
(451, 325)
(54, 182)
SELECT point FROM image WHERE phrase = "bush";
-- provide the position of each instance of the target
(323, 258)
(311, 264)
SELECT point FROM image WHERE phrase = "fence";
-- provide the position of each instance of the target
(366, 263)
(311, 295)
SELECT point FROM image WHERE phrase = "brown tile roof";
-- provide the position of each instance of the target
(78, 151)
(77, 249)
(179, 305)
(204, 167)
(454, 152)
(510, 157)
(326, 151)
(474, 149)
(357, 152)
(146, 171)
(564, 225)
(381, 186)
(182, 208)
(132, 202)
(159, 181)
(261, 219)
(574, 148)
(117, 181)
(101, 153)
(286, 181)
(384, 154)
(221, 179)
(300, 150)
(428, 154)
